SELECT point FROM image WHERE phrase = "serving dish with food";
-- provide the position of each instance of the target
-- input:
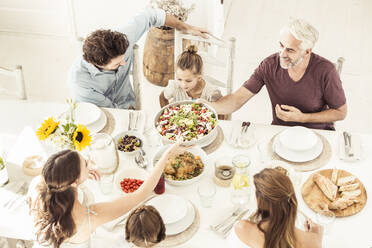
(185, 168)
(334, 190)
(191, 122)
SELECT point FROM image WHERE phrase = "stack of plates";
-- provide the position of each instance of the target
(177, 213)
(298, 144)
(90, 116)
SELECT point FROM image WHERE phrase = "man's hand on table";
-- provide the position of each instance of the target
(289, 113)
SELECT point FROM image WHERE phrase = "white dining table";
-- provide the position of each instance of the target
(352, 231)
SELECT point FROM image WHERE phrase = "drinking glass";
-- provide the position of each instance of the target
(325, 218)
(265, 154)
(206, 192)
(106, 183)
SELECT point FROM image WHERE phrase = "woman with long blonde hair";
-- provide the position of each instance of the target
(273, 224)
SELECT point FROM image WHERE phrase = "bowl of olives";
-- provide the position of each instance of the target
(129, 142)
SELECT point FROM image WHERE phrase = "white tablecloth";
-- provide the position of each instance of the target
(353, 231)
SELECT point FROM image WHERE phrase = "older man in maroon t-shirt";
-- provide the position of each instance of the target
(304, 88)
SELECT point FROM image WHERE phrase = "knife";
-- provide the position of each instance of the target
(351, 153)
(347, 144)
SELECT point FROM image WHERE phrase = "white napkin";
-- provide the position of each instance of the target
(27, 144)
(355, 148)
(8, 192)
(141, 121)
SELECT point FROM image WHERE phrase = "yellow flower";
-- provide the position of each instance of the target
(81, 137)
(48, 127)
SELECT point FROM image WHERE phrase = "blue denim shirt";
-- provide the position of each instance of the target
(113, 89)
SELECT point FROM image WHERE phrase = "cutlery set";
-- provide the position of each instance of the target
(140, 158)
(224, 227)
(238, 138)
(348, 146)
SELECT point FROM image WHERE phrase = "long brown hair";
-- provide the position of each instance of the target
(144, 227)
(54, 222)
(276, 206)
(190, 60)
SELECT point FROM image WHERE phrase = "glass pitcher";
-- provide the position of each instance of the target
(102, 153)
(240, 183)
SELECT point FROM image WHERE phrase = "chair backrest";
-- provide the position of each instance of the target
(338, 65)
(17, 74)
(135, 73)
(218, 58)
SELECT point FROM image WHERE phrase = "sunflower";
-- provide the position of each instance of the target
(48, 127)
(81, 137)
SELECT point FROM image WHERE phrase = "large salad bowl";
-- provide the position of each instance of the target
(194, 123)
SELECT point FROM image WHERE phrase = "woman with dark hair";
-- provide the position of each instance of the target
(60, 219)
(273, 225)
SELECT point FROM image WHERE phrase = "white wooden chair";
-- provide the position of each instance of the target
(19, 91)
(339, 64)
(218, 59)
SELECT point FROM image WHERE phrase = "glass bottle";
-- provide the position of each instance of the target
(240, 183)
(4, 179)
(160, 187)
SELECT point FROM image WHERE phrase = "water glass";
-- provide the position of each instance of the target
(206, 192)
(153, 137)
(265, 154)
(325, 218)
(106, 183)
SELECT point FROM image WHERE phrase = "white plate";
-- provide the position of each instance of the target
(98, 125)
(297, 156)
(134, 173)
(87, 113)
(197, 151)
(172, 208)
(298, 138)
(182, 225)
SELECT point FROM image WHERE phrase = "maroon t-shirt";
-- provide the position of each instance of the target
(319, 88)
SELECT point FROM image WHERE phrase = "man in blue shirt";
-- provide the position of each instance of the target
(101, 76)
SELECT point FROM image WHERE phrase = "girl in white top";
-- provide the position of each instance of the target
(60, 219)
(273, 225)
(189, 83)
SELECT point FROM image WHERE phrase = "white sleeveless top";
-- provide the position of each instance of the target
(174, 93)
(234, 241)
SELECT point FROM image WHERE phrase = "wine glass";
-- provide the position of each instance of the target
(325, 218)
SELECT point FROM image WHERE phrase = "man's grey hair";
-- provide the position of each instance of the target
(302, 31)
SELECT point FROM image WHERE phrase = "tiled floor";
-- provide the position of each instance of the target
(344, 27)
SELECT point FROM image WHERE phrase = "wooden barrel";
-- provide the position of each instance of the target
(158, 56)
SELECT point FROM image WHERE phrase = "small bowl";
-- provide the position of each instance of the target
(130, 133)
(134, 173)
(197, 151)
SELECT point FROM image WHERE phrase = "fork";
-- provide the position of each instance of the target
(218, 226)
(130, 120)
(227, 229)
(351, 152)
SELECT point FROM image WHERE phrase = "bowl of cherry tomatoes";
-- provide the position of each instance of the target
(129, 180)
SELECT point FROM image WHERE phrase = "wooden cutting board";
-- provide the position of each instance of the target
(312, 195)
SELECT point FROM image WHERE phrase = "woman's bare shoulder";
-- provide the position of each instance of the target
(308, 239)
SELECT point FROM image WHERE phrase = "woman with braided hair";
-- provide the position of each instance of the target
(273, 224)
(60, 220)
